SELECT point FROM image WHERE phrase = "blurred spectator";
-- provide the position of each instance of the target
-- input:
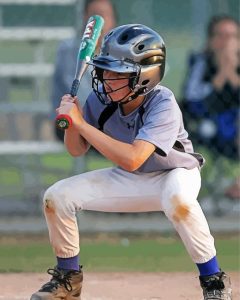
(212, 89)
(67, 54)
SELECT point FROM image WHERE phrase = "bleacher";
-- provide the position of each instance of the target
(24, 120)
(31, 73)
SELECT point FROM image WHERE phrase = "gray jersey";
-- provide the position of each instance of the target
(158, 121)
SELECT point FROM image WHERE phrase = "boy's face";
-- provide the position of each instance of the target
(116, 85)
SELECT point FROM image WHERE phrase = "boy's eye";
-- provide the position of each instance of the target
(122, 75)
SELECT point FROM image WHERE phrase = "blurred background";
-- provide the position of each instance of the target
(32, 157)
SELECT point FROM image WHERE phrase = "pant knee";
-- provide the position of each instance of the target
(177, 207)
(53, 199)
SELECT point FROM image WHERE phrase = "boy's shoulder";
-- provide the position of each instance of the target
(160, 94)
(160, 99)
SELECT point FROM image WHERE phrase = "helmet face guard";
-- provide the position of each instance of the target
(134, 49)
(118, 66)
(99, 84)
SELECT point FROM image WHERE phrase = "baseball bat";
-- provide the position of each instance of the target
(87, 48)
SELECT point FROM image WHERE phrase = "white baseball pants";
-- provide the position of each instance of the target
(115, 190)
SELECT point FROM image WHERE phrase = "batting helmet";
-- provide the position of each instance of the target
(134, 49)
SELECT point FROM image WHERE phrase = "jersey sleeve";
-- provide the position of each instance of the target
(91, 110)
(161, 125)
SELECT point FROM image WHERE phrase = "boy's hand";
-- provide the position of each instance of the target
(70, 106)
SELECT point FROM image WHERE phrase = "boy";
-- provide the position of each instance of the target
(137, 124)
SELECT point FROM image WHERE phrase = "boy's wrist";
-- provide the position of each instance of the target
(81, 126)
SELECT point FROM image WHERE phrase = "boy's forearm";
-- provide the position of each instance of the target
(75, 143)
(118, 152)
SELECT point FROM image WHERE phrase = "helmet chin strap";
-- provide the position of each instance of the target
(133, 96)
(130, 98)
(137, 91)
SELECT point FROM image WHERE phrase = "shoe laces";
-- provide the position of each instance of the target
(58, 278)
(214, 284)
(214, 295)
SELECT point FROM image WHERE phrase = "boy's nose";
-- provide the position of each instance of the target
(107, 74)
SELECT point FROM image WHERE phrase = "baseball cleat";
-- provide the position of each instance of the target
(216, 287)
(65, 285)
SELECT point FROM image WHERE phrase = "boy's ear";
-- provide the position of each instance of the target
(133, 80)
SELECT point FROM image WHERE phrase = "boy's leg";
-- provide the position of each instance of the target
(180, 189)
(107, 190)
(178, 200)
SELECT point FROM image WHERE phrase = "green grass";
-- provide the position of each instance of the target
(146, 254)
(52, 167)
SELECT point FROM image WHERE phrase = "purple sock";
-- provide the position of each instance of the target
(70, 263)
(209, 268)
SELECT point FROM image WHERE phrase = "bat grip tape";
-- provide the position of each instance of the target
(74, 88)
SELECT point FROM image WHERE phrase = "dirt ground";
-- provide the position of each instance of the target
(117, 286)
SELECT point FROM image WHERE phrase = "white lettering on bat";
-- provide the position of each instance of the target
(89, 30)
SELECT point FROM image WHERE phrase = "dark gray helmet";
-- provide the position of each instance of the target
(135, 49)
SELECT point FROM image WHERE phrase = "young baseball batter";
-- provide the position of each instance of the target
(137, 124)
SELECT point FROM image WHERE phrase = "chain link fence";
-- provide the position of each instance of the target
(30, 156)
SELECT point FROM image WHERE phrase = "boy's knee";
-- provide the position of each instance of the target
(53, 199)
(178, 208)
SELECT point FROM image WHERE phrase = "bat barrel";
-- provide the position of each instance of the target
(90, 37)
(86, 50)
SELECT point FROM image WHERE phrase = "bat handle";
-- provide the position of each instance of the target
(74, 88)
(64, 121)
